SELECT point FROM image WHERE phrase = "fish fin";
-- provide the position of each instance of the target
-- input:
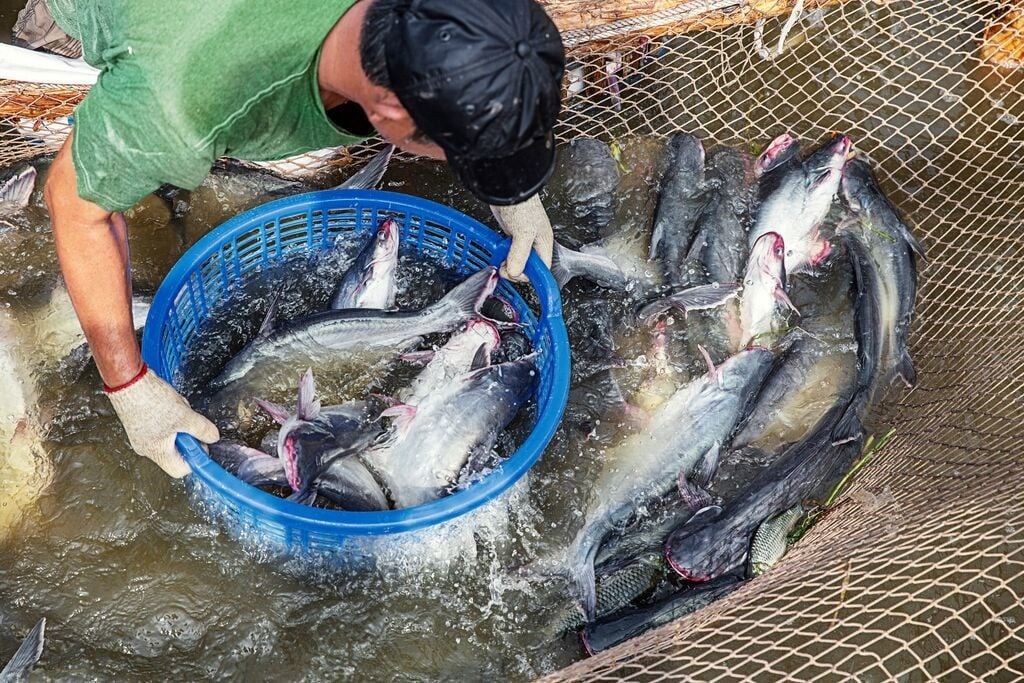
(704, 514)
(707, 467)
(402, 414)
(18, 189)
(590, 262)
(267, 326)
(558, 269)
(262, 470)
(481, 359)
(848, 427)
(278, 412)
(418, 357)
(783, 298)
(653, 310)
(465, 300)
(694, 496)
(368, 177)
(913, 242)
(27, 654)
(693, 299)
(308, 406)
(905, 369)
(304, 497)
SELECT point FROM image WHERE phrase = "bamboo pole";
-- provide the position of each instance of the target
(583, 21)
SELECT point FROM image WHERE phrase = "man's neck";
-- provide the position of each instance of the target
(340, 74)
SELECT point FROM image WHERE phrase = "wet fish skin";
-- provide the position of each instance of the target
(621, 587)
(721, 240)
(806, 364)
(592, 176)
(432, 442)
(763, 303)
(360, 329)
(681, 201)
(794, 200)
(892, 250)
(621, 626)
(350, 485)
(370, 280)
(310, 439)
(16, 191)
(711, 548)
(590, 263)
(770, 540)
(705, 551)
(20, 665)
(699, 417)
(253, 466)
(472, 345)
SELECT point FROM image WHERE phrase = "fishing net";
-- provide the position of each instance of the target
(918, 571)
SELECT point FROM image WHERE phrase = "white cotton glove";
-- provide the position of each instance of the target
(153, 413)
(528, 226)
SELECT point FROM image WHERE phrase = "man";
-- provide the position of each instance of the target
(475, 81)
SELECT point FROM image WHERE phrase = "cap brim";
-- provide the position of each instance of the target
(511, 179)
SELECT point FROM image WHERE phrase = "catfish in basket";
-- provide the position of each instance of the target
(360, 331)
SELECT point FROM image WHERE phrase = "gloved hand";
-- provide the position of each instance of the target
(153, 413)
(528, 226)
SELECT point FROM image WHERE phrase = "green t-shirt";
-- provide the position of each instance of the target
(183, 83)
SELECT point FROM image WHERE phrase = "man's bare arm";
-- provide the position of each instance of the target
(92, 246)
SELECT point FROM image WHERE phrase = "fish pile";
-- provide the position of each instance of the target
(772, 298)
(436, 435)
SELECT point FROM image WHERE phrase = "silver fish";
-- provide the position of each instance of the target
(432, 442)
(893, 251)
(794, 199)
(809, 379)
(764, 294)
(712, 547)
(359, 330)
(466, 350)
(691, 424)
(28, 653)
(370, 280)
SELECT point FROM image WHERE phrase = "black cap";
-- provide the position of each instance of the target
(482, 79)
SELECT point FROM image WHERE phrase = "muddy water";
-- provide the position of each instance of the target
(137, 585)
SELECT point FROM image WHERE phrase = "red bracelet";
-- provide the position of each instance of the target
(127, 384)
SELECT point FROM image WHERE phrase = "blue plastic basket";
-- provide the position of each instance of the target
(233, 253)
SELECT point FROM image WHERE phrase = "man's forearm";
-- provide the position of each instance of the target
(92, 247)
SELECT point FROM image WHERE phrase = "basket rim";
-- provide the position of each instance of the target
(302, 518)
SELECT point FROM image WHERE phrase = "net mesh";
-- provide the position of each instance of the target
(918, 572)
